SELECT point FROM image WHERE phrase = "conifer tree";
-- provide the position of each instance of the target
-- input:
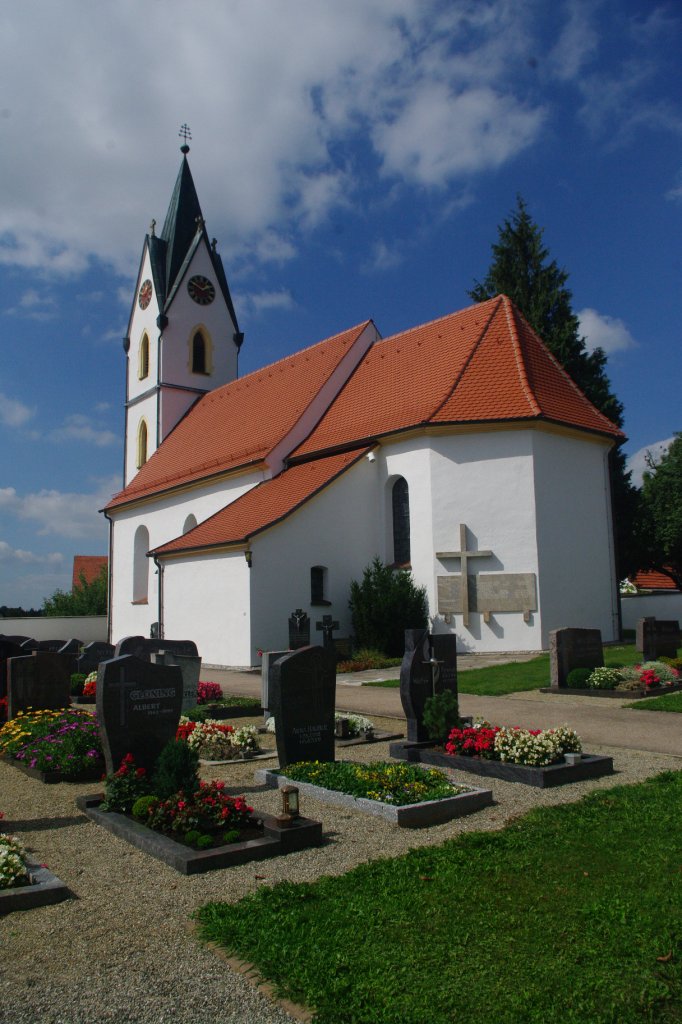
(662, 513)
(522, 270)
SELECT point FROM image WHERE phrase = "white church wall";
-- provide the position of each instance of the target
(575, 543)
(164, 519)
(145, 409)
(335, 529)
(206, 599)
(143, 321)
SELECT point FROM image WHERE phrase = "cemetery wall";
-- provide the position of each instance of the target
(575, 541)
(640, 606)
(84, 627)
(206, 598)
(484, 480)
(163, 524)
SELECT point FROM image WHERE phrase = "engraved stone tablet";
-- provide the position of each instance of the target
(302, 697)
(573, 648)
(38, 680)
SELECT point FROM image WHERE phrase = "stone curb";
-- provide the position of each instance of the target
(45, 889)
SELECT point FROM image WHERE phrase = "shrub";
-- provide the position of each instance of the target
(604, 678)
(77, 680)
(176, 769)
(365, 659)
(383, 605)
(208, 691)
(675, 663)
(577, 678)
(141, 806)
(441, 715)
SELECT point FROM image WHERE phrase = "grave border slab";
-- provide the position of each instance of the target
(421, 815)
(591, 766)
(575, 691)
(275, 842)
(44, 890)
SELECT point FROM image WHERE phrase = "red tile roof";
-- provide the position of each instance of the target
(90, 566)
(240, 423)
(483, 364)
(651, 580)
(264, 505)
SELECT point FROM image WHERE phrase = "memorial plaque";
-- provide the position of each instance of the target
(573, 648)
(8, 649)
(299, 630)
(92, 655)
(416, 681)
(489, 593)
(658, 638)
(302, 698)
(38, 680)
(138, 709)
(191, 670)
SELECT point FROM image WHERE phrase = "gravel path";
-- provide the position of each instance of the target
(122, 949)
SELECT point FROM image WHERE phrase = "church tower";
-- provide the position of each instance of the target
(183, 338)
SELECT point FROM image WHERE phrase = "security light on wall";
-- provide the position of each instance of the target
(371, 457)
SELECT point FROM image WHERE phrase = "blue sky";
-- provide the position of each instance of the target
(353, 160)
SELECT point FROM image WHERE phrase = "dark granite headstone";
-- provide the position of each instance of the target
(573, 648)
(8, 649)
(29, 645)
(191, 670)
(299, 630)
(50, 646)
(141, 647)
(92, 655)
(14, 638)
(138, 709)
(38, 680)
(302, 698)
(72, 646)
(268, 660)
(658, 638)
(429, 666)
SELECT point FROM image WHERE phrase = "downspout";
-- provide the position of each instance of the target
(159, 568)
(614, 541)
(110, 582)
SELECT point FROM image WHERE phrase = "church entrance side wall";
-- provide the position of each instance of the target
(575, 541)
(164, 519)
(339, 529)
(484, 480)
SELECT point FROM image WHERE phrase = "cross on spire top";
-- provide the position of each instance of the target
(184, 134)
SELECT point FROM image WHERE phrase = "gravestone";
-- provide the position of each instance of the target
(268, 660)
(302, 695)
(658, 638)
(92, 655)
(142, 647)
(39, 680)
(299, 630)
(138, 709)
(327, 627)
(50, 646)
(14, 638)
(573, 648)
(429, 667)
(72, 646)
(29, 645)
(8, 649)
(190, 668)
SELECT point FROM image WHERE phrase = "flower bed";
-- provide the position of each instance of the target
(24, 884)
(403, 794)
(360, 730)
(217, 742)
(534, 757)
(54, 746)
(649, 679)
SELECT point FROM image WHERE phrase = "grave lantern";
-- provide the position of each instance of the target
(290, 806)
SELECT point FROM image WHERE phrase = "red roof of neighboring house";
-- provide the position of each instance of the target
(651, 580)
(90, 566)
(264, 505)
(483, 364)
(240, 423)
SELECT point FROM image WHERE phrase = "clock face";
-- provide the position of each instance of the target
(201, 290)
(145, 294)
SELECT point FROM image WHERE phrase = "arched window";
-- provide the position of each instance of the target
(143, 365)
(318, 584)
(199, 354)
(141, 566)
(190, 523)
(141, 443)
(401, 522)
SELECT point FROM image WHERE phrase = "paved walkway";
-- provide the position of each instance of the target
(600, 721)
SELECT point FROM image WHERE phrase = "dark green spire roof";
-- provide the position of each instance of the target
(180, 225)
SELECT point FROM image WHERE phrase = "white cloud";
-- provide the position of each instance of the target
(10, 554)
(606, 332)
(79, 428)
(14, 413)
(61, 513)
(260, 302)
(90, 151)
(637, 463)
(384, 257)
(576, 45)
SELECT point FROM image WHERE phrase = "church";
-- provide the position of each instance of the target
(458, 449)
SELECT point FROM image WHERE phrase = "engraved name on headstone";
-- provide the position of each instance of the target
(38, 680)
(573, 648)
(302, 698)
(138, 709)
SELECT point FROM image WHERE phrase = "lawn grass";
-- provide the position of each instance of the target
(667, 702)
(498, 680)
(571, 915)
